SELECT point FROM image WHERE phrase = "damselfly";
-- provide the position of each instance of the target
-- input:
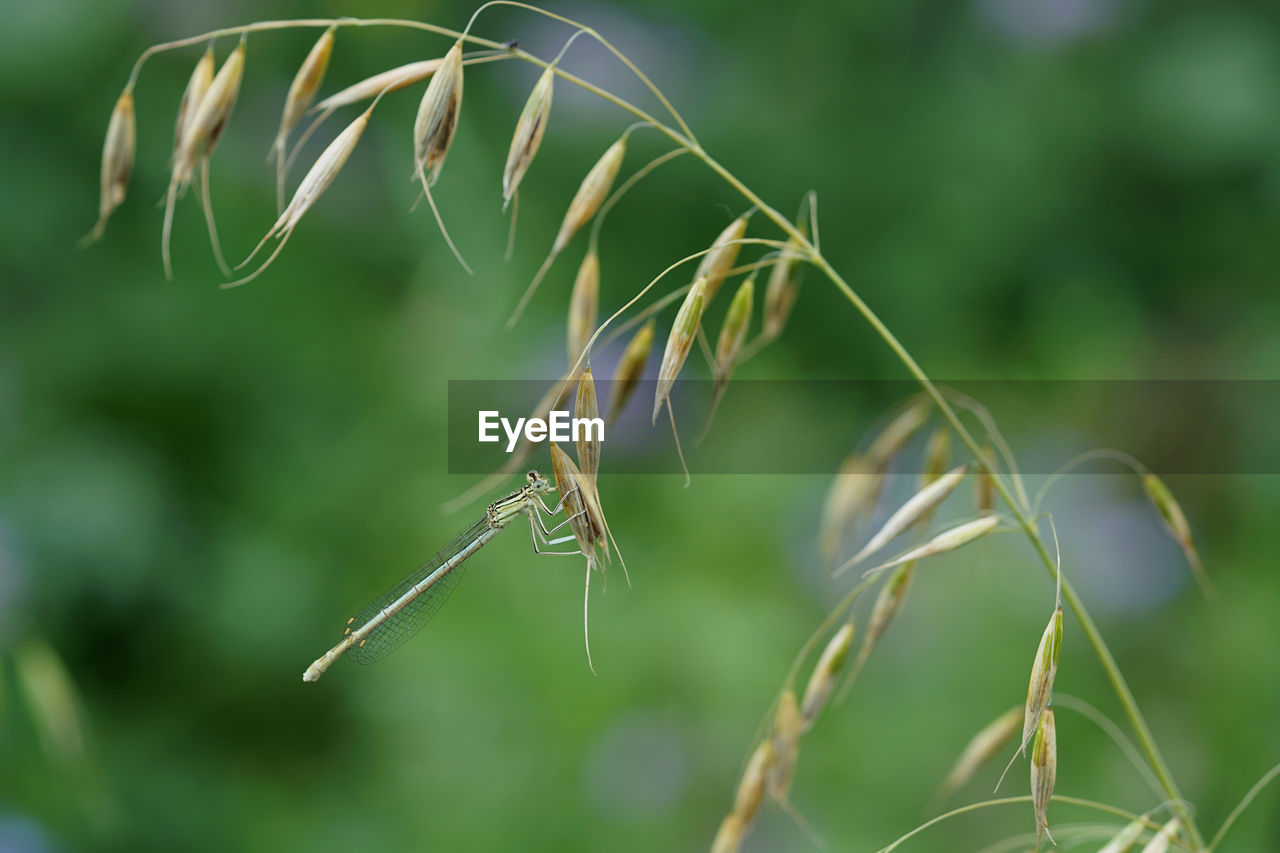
(400, 612)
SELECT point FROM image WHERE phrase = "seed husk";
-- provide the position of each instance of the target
(985, 488)
(313, 185)
(587, 408)
(1175, 521)
(984, 746)
(200, 137)
(948, 540)
(853, 492)
(921, 504)
(1044, 670)
(198, 84)
(729, 837)
(434, 129)
(591, 193)
(387, 81)
(1164, 838)
(118, 149)
(302, 91)
(937, 456)
(683, 332)
(897, 433)
(715, 264)
(781, 290)
(626, 376)
(1123, 841)
(750, 793)
(734, 332)
(584, 305)
(825, 674)
(788, 725)
(1044, 771)
(888, 602)
(585, 524)
(528, 135)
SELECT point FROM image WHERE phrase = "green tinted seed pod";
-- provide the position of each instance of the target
(630, 368)
(683, 332)
(528, 135)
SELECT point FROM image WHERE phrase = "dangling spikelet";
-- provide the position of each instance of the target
(302, 91)
(528, 135)
(1044, 669)
(584, 305)
(434, 129)
(715, 264)
(750, 793)
(780, 292)
(679, 342)
(588, 443)
(200, 136)
(118, 149)
(984, 746)
(1175, 521)
(888, 602)
(313, 185)
(729, 345)
(1044, 772)
(591, 193)
(788, 725)
(1164, 838)
(937, 456)
(920, 505)
(853, 492)
(897, 433)
(948, 540)
(730, 835)
(825, 674)
(197, 86)
(626, 376)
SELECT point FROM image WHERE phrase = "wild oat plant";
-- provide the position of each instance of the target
(786, 245)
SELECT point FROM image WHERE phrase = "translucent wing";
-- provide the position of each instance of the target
(410, 610)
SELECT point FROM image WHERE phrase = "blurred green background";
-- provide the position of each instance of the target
(197, 487)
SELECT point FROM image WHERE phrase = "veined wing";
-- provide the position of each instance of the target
(401, 611)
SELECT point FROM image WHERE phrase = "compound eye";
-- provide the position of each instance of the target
(533, 476)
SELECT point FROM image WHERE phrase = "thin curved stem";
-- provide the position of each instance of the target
(1242, 805)
(1088, 456)
(1005, 801)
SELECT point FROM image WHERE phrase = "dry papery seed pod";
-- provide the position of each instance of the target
(683, 332)
(937, 456)
(985, 489)
(591, 193)
(888, 602)
(434, 129)
(200, 135)
(530, 127)
(781, 289)
(584, 305)
(715, 264)
(1175, 521)
(984, 746)
(733, 333)
(788, 725)
(750, 793)
(919, 506)
(948, 540)
(313, 185)
(118, 149)
(1043, 672)
(825, 674)
(197, 85)
(852, 493)
(898, 432)
(630, 368)
(1044, 771)
(730, 835)
(302, 91)
(587, 440)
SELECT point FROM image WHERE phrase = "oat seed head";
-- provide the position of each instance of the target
(898, 432)
(948, 540)
(584, 304)
(923, 503)
(888, 602)
(1044, 771)
(1044, 670)
(730, 835)
(781, 290)
(937, 455)
(1175, 522)
(630, 368)
(530, 127)
(734, 331)
(825, 674)
(588, 444)
(118, 149)
(302, 91)
(750, 793)
(788, 725)
(853, 492)
(715, 264)
(683, 332)
(591, 193)
(197, 85)
(984, 746)
(437, 119)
